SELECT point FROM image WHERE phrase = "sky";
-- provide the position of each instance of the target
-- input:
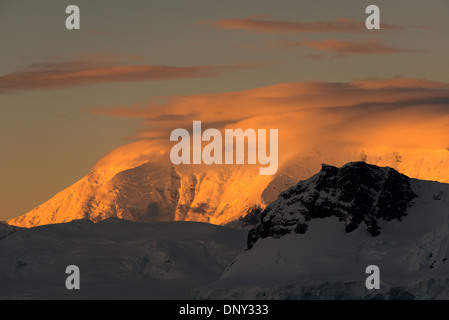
(136, 70)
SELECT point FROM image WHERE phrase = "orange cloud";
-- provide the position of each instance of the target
(349, 47)
(266, 25)
(310, 116)
(99, 68)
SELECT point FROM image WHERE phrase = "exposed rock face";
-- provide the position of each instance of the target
(355, 193)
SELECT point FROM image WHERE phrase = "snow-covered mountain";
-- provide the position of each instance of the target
(316, 240)
(153, 190)
(313, 242)
(356, 193)
(117, 259)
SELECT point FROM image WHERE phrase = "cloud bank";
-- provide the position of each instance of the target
(310, 116)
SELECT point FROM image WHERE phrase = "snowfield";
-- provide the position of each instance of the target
(118, 259)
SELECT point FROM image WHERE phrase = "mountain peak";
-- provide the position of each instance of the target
(355, 193)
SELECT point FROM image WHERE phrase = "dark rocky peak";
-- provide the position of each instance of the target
(355, 193)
